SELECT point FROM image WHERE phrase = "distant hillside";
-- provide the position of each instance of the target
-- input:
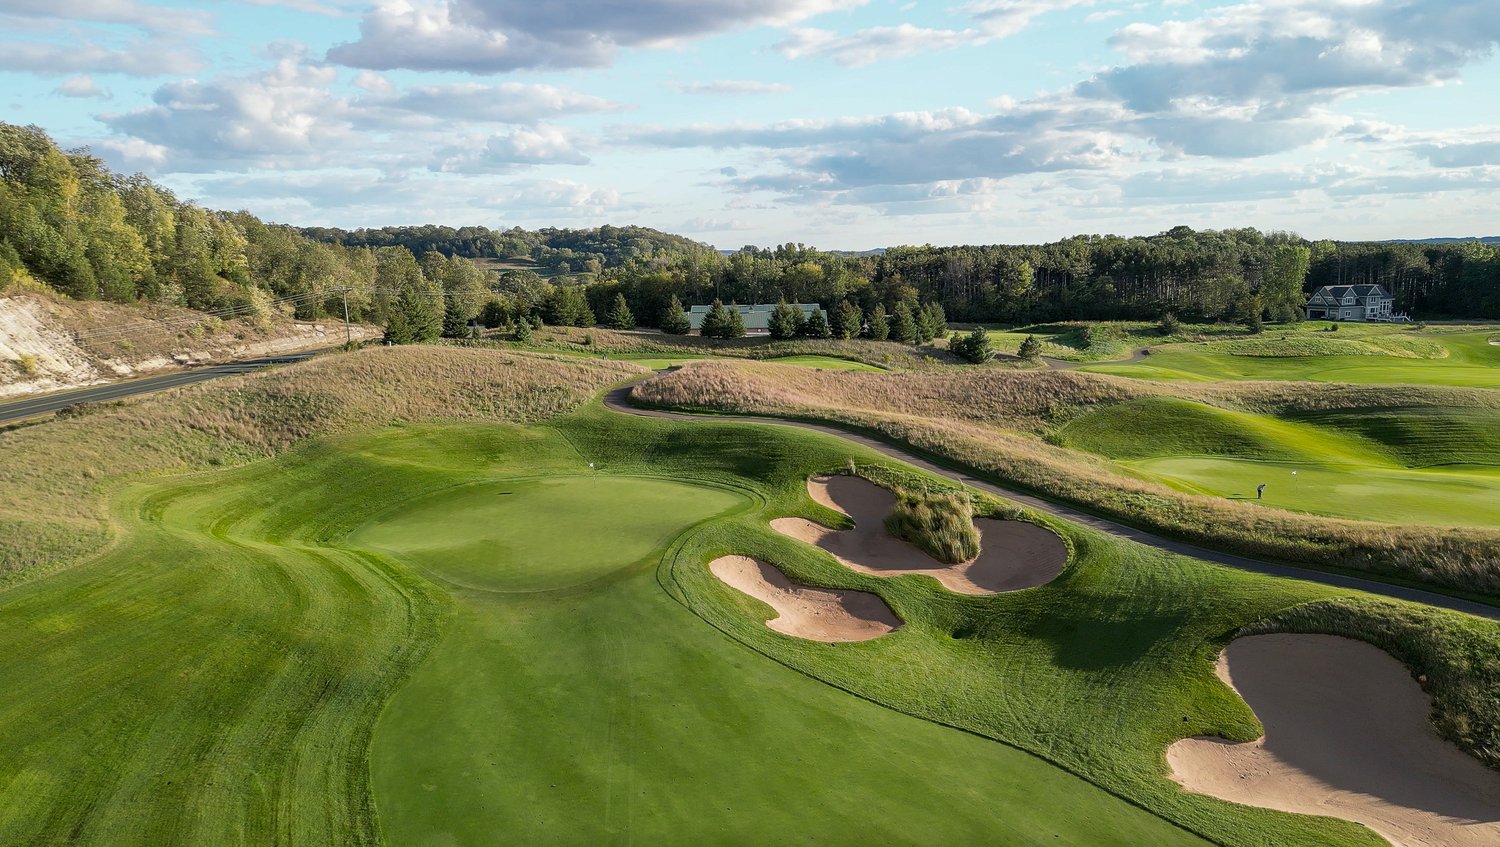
(1485, 239)
(551, 251)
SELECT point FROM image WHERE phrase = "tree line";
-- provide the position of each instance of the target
(69, 223)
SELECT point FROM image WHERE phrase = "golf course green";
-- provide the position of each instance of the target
(1403, 465)
(476, 633)
(1423, 357)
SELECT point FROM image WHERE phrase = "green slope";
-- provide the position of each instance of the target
(1413, 464)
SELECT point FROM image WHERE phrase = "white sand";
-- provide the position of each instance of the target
(817, 614)
(1347, 735)
(1012, 554)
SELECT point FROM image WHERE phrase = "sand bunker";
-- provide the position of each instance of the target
(1347, 736)
(1012, 554)
(817, 614)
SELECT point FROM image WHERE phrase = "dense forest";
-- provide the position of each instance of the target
(1198, 275)
(69, 223)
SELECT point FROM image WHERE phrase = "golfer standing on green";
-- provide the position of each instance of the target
(1260, 491)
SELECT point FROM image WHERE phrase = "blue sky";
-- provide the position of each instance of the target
(840, 123)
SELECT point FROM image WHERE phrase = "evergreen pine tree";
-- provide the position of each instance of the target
(880, 328)
(735, 327)
(455, 322)
(784, 320)
(620, 316)
(674, 321)
(1031, 349)
(847, 319)
(716, 324)
(903, 326)
(975, 347)
(817, 325)
(937, 319)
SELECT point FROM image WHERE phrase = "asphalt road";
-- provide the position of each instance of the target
(46, 404)
(619, 401)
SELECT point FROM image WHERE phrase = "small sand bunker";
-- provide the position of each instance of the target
(1012, 554)
(1347, 736)
(817, 614)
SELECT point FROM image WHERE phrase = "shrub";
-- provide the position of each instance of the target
(523, 329)
(1031, 349)
(28, 364)
(1169, 325)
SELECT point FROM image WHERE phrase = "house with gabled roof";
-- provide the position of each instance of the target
(1351, 303)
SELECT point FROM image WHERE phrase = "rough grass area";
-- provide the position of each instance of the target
(1102, 341)
(882, 354)
(1453, 657)
(55, 477)
(982, 421)
(940, 524)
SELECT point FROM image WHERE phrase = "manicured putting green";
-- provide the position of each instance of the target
(610, 712)
(540, 534)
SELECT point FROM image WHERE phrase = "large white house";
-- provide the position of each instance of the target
(1351, 303)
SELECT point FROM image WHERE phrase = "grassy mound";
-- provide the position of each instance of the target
(1152, 427)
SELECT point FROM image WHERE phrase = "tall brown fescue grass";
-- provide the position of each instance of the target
(993, 420)
(878, 353)
(55, 477)
(940, 524)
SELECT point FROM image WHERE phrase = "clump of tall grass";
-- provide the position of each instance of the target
(1454, 657)
(940, 524)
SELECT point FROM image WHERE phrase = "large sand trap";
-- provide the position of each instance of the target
(1347, 736)
(817, 614)
(1012, 554)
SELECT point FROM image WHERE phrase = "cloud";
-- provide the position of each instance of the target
(1297, 51)
(1459, 154)
(153, 19)
(290, 117)
(146, 57)
(988, 21)
(284, 118)
(81, 86)
(507, 152)
(729, 87)
(509, 102)
(498, 36)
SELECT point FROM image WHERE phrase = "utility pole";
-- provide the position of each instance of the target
(348, 330)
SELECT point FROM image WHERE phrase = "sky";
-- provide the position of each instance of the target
(844, 124)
